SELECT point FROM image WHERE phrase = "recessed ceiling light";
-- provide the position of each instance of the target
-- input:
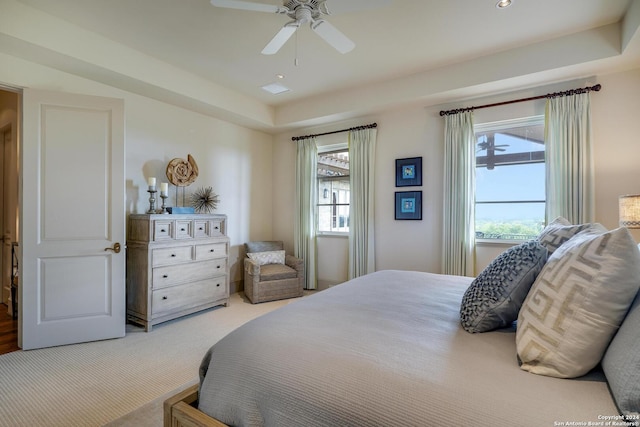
(275, 88)
(280, 76)
(502, 4)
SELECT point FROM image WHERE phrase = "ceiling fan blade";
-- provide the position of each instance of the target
(333, 36)
(246, 5)
(280, 39)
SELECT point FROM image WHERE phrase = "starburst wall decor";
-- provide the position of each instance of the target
(204, 200)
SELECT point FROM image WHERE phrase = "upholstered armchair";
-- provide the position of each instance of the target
(270, 274)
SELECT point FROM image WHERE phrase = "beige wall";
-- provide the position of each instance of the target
(417, 131)
(254, 173)
(616, 115)
(234, 160)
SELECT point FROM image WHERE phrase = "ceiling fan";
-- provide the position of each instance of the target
(306, 11)
(489, 145)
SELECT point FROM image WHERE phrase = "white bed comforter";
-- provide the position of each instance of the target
(385, 349)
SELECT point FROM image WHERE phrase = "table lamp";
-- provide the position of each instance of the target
(629, 210)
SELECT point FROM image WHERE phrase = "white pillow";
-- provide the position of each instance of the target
(577, 303)
(267, 257)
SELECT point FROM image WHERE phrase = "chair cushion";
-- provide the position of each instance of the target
(277, 272)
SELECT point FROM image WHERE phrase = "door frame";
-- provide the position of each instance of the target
(10, 167)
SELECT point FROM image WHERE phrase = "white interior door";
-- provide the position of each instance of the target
(72, 289)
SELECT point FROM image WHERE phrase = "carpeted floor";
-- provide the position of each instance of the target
(120, 382)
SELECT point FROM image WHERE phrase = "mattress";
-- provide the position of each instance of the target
(386, 349)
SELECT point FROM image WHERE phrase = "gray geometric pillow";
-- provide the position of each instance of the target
(494, 298)
(559, 231)
(577, 303)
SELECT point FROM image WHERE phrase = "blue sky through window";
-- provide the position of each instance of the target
(510, 183)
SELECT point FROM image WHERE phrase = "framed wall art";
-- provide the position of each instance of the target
(409, 172)
(408, 205)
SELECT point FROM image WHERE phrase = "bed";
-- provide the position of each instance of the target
(384, 349)
(389, 348)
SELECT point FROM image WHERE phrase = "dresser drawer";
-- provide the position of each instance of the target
(184, 229)
(174, 274)
(162, 230)
(217, 228)
(211, 251)
(201, 229)
(189, 295)
(166, 256)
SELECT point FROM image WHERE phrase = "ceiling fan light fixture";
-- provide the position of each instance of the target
(503, 4)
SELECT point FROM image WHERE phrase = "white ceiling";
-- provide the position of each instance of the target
(403, 43)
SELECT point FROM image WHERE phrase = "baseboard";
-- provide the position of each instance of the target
(236, 286)
(326, 284)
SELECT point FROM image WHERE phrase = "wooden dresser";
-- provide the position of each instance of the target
(176, 265)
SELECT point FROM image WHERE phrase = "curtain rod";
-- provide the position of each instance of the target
(549, 95)
(298, 138)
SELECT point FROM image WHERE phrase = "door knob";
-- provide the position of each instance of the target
(115, 248)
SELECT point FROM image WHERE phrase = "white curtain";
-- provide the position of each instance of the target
(362, 156)
(306, 205)
(569, 160)
(459, 195)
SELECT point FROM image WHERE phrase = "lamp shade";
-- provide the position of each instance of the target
(630, 211)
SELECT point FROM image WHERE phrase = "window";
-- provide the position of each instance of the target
(333, 191)
(510, 179)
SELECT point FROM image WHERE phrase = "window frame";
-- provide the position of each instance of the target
(331, 149)
(497, 126)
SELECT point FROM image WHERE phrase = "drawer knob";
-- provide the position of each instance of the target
(173, 255)
(182, 229)
(165, 276)
(165, 297)
(212, 250)
(218, 285)
(200, 228)
(217, 228)
(162, 230)
(218, 266)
